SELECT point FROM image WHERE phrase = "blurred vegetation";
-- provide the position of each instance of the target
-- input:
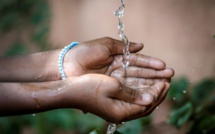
(28, 20)
(63, 120)
(193, 106)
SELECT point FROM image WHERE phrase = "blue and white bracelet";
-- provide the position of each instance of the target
(62, 54)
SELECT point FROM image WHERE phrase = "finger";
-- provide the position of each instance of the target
(135, 83)
(140, 97)
(123, 110)
(148, 110)
(149, 73)
(138, 72)
(161, 98)
(116, 46)
(146, 61)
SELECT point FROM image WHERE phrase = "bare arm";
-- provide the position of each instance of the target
(30, 68)
(25, 98)
(101, 56)
(101, 95)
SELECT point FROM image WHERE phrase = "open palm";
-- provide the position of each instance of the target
(104, 56)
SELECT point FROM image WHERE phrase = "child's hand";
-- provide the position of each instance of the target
(108, 98)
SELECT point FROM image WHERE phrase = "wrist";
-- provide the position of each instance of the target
(61, 59)
(50, 71)
(71, 94)
(52, 95)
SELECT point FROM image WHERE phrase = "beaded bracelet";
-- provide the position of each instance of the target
(62, 54)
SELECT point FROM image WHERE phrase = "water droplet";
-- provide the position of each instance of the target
(184, 91)
(120, 26)
(174, 98)
(157, 107)
(33, 114)
(120, 12)
(38, 77)
(111, 128)
(121, 34)
(33, 94)
(60, 88)
(126, 53)
(125, 41)
(126, 56)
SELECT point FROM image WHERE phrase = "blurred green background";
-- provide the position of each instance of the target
(192, 105)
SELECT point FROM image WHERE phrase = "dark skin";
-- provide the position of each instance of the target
(117, 102)
(95, 83)
(102, 56)
(98, 56)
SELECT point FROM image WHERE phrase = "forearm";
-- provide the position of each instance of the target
(25, 98)
(36, 67)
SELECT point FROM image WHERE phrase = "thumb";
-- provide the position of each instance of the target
(141, 97)
(116, 47)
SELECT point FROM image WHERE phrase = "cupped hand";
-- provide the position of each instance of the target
(108, 98)
(104, 56)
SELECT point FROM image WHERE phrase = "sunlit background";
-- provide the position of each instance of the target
(180, 32)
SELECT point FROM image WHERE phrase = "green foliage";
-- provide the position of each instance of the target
(178, 88)
(196, 107)
(96, 131)
(180, 116)
(205, 124)
(14, 124)
(214, 36)
(17, 49)
(49, 122)
(135, 126)
(202, 91)
(16, 14)
(131, 127)
(26, 16)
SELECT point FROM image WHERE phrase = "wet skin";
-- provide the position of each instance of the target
(96, 82)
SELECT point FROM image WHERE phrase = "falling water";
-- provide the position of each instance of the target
(119, 13)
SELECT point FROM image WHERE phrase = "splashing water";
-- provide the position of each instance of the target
(119, 13)
(111, 129)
